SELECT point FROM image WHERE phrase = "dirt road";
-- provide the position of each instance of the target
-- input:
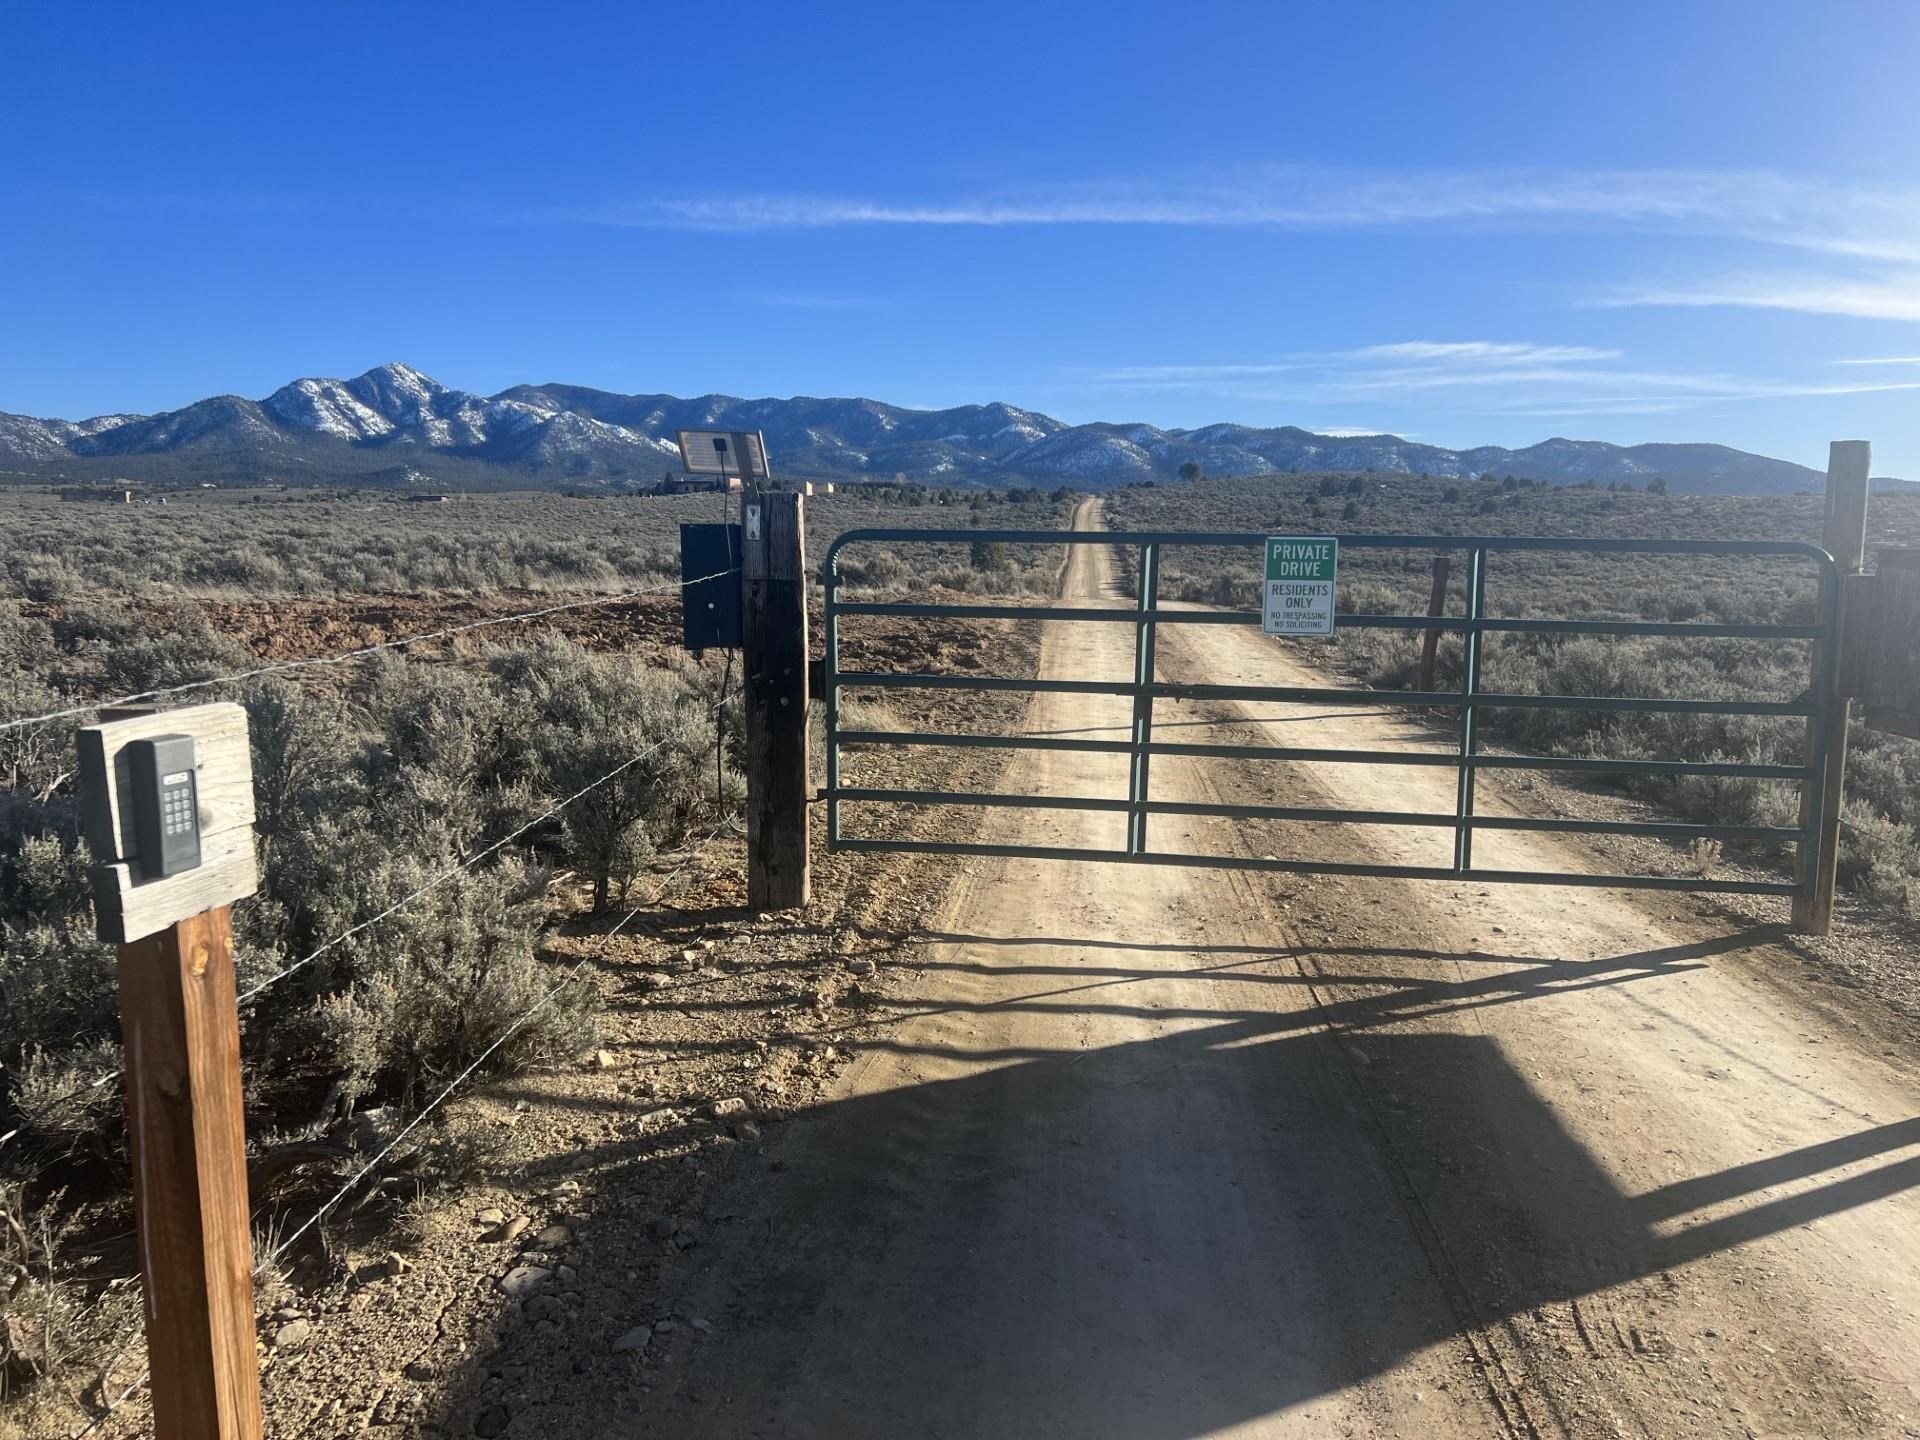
(1167, 1153)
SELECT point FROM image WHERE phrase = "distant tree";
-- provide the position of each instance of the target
(989, 556)
(1357, 485)
(1451, 495)
(1657, 485)
(1190, 472)
(1489, 505)
(1352, 511)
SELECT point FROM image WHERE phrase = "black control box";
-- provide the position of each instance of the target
(166, 805)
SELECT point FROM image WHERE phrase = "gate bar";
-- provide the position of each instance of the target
(1666, 829)
(1317, 695)
(1720, 769)
(1158, 616)
(1583, 879)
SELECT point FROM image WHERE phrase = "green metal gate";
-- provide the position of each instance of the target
(1468, 759)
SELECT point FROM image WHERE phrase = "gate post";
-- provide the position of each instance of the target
(773, 635)
(1844, 538)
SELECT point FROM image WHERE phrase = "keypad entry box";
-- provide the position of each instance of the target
(166, 805)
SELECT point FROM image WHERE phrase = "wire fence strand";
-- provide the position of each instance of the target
(447, 1090)
(468, 863)
(326, 1207)
(112, 1406)
(361, 653)
(41, 1112)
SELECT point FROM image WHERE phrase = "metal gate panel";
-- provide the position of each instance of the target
(1467, 758)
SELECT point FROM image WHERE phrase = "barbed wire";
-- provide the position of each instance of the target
(471, 860)
(573, 973)
(28, 1122)
(112, 1406)
(362, 652)
(545, 1000)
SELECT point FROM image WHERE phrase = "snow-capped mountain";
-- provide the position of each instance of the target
(333, 430)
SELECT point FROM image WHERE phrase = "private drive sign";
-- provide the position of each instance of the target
(1301, 570)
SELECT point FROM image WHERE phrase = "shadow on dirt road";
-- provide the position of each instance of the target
(1205, 1232)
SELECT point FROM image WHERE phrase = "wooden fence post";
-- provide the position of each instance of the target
(187, 1127)
(179, 1018)
(1845, 538)
(774, 653)
(1436, 607)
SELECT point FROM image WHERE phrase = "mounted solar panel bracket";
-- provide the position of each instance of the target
(741, 454)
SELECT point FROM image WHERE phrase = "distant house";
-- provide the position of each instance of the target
(699, 484)
(427, 499)
(110, 494)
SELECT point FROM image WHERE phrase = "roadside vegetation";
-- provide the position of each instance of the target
(1880, 845)
(375, 782)
(330, 543)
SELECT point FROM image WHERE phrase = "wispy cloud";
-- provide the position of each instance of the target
(1475, 351)
(1880, 360)
(1862, 222)
(1441, 361)
(1487, 376)
(1884, 296)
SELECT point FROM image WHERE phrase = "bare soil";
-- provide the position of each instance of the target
(1096, 1150)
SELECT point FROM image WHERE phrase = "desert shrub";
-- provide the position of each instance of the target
(449, 980)
(347, 542)
(58, 993)
(1878, 856)
(578, 717)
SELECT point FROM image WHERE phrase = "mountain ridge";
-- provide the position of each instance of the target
(321, 429)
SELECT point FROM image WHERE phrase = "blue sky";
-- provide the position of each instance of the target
(1480, 223)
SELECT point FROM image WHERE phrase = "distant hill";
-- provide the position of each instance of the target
(323, 431)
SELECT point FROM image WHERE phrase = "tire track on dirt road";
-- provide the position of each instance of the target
(1160, 1153)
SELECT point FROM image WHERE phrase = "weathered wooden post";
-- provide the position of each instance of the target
(774, 654)
(1845, 538)
(169, 816)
